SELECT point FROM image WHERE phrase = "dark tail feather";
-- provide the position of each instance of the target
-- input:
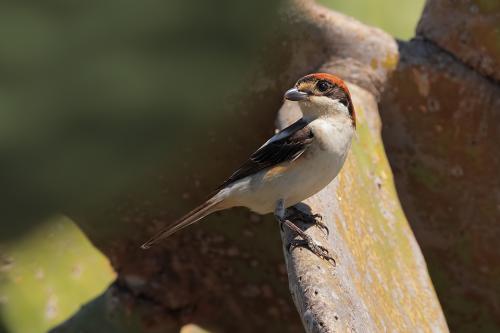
(192, 217)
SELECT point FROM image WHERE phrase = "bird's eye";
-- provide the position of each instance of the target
(344, 101)
(323, 86)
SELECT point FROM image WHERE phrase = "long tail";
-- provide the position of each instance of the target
(192, 217)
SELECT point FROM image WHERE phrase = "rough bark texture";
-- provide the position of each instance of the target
(441, 129)
(227, 273)
(468, 29)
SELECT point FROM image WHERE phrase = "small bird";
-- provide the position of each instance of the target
(291, 166)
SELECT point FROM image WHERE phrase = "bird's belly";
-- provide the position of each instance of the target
(292, 181)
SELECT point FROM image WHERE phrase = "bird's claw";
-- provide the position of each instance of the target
(323, 226)
(317, 249)
(309, 219)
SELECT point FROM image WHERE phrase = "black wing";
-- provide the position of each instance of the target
(286, 145)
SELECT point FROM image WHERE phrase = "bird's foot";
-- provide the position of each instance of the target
(306, 241)
(317, 249)
(316, 219)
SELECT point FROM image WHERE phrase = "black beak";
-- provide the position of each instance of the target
(295, 95)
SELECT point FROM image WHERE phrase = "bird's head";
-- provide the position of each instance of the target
(322, 94)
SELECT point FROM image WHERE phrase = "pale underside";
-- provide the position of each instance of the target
(296, 180)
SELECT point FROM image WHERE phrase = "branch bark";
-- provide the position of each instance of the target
(441, 129)
(381, 281)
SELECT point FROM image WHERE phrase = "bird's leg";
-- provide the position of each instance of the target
(279, 213)
(296, 213)
(306, 240)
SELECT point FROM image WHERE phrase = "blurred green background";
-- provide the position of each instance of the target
(399, 18)
(46, 274)
(60, 72)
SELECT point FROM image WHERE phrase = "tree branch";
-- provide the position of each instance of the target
(381, 281)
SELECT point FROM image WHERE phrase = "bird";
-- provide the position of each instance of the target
(294, 164)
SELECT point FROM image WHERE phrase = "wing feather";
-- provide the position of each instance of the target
(284, 146)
